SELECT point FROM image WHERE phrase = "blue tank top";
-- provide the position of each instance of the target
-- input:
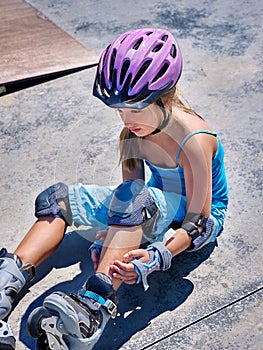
(172, 179)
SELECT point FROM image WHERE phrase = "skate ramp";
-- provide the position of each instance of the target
(34, 49)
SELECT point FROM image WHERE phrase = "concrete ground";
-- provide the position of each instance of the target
(58, 132)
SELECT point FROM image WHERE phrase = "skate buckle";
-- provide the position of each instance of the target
(106, 303)
(111, 308)
(28, 271)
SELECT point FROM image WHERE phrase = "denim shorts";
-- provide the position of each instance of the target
(90, 204)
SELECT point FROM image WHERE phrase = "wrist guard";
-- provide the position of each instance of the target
(160, 259)
(97, 245)
(192, 224)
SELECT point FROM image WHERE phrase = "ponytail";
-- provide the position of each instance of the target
(129, 145)
(177, 100)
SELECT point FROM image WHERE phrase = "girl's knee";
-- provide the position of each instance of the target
(132, 205)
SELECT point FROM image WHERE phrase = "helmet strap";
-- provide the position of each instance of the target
(166, 118)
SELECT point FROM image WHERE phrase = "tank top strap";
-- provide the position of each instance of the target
(187, 137)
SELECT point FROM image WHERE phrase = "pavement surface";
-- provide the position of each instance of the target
(58, 132)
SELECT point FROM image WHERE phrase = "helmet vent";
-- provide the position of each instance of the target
(124, 70)
(173, 51)
(123, 39)
(98, 86)
(105, 55)
(105, 93)
(149, 33)
(157, 48)
(164, 37)
(112, 61)
(140, 73)
(137, 44)
(161, 72)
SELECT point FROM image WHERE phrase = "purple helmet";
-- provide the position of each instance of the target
(137, 68)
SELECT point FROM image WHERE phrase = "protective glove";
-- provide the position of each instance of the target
(160, 259)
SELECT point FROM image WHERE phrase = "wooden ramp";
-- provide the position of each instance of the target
(34, 49)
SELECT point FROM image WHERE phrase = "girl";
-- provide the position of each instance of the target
(185, 198)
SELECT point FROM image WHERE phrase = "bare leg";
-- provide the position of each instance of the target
(119, 240)
(41, 240)
(97, 290)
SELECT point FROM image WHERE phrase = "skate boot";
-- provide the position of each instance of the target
(13, 277)
(74, 322)
(7, 339)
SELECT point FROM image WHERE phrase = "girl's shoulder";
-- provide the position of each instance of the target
(197, 143)
(195, 136)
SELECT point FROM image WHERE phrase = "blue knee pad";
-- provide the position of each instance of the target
(131, 205)
(48, 203)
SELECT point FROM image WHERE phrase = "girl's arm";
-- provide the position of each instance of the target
(135, 174)
(196, 160)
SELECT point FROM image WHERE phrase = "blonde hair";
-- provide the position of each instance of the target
(130, 144)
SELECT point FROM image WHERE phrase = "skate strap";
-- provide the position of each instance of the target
(106, 303)
(28, 271)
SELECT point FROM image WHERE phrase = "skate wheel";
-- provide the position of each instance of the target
(34, 321)
(42, 343)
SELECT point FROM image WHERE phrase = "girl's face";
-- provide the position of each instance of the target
(141, 122)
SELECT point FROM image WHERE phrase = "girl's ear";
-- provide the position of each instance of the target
(167, 102)
(168, 98)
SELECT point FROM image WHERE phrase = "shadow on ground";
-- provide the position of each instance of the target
(136, 308)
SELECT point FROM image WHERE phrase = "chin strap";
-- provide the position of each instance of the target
(166, 119)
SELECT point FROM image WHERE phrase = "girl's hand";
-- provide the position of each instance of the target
(101, 234)
(95, 252)
(95, 258)
(124, 270)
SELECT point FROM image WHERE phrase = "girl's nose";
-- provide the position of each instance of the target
(126, 117)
